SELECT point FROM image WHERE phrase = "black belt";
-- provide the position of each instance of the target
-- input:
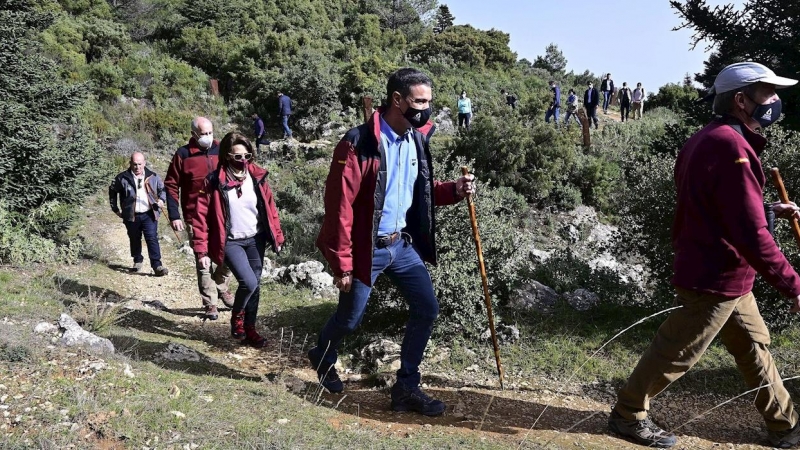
(385, 241)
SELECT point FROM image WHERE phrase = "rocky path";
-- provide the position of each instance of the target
(168, 308)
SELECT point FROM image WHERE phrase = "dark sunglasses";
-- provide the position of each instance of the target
(240, 156)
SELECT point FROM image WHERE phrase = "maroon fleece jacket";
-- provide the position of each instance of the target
(720, 232)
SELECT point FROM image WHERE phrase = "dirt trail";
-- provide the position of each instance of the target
(474, 405)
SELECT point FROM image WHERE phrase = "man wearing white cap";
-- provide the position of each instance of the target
(721, 241)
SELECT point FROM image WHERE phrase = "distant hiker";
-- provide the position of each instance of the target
(572, 108)
(624, 96)
(141, 197)
(236, 218)
(259, 132)
(591, 99)
(511, 99)
(607, 87)
(379, 201)
(285, 110)
(464, 110)
(638, 101)
(721, 241)
(185, 180)
(555, 104)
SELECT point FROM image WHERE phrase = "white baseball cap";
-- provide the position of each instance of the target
(741, 74)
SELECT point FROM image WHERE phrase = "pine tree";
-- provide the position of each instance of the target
(444, 19)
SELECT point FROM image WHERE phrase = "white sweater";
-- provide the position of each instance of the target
(243, 211)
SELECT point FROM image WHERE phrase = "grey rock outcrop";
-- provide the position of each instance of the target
(75, 336)
(536, 296)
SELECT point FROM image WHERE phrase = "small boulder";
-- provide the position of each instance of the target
(536, 296)
(75, 336)
(45, 328)
(582, 299)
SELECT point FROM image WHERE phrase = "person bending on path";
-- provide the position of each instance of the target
(285, 110)
(464, 110)
(721, 241)
(555, 105)
(379, 218)
(185, 179)
(236, 218)
(140, 194)
(259, 132)
(572, 108)
(607, 87)
(624, 95)
(590, 101)
(637, 104)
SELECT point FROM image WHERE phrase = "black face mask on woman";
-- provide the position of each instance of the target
(417, 117)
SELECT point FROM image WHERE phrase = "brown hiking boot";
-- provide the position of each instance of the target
(252, 338)
(211, 312)
(227, 298)
(237, 326)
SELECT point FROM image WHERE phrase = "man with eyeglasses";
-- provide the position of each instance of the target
(137, 196)
(379, 218)
(184, 182)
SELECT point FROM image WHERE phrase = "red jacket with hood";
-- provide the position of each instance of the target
(186, 177)
(354, 197)
(211, 222)
(720, 232)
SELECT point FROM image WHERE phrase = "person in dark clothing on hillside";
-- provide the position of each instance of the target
(591, 99)
(607, 88)
(511, 99)
(141, 198)
(259, 132)
(624, 97)
(721, 241)
(285, 110)
(555, 104)
(379, 218)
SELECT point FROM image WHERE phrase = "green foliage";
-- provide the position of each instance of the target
(444, 19)
(456, 278)
(466, 46)
(553, 60)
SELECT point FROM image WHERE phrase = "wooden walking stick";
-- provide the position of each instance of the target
(476, 235)
(776, 178)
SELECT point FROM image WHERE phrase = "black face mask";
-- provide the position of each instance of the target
(767, 114)
(417, 117)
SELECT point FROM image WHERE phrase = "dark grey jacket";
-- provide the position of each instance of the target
(122, 192)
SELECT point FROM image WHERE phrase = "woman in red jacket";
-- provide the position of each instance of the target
(236, 219)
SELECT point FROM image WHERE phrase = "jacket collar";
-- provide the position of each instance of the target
(756, 141)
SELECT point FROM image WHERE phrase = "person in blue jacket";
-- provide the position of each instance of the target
(285, 110)
(555, 105)
(259, 132)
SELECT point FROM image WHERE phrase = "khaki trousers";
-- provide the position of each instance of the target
(687, 333)
(211, 282)
(637, 108)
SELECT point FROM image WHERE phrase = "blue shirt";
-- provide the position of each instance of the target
(464, 105)
(556, 96)
(401, 173)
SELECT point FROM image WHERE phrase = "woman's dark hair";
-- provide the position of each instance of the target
(229, 141)
(403, 80)
(572, 91)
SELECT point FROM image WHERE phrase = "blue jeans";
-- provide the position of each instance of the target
(551, 112)
(244, 257)
(285, 123)
(606, 100)
(402, 264)
(573, 115)
(144, 224)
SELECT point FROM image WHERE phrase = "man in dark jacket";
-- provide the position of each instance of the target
(141, 196)
(285, 110)
(379, 218)
(590, 101)
(555, 105)
(607, 88)
(721, 241)
(259, 132)
(184, 182)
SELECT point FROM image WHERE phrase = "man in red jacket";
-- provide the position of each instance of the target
(721, 241)
(184, 181)
(379, 218)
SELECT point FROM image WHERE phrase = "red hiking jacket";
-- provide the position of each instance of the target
(211, 221)
(720, 232)
(186, 177)
(354, 196)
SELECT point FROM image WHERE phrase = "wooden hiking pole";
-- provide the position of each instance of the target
(776, 178)
(476, 235)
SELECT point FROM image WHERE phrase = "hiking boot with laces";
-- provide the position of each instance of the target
(211, 312)
(326, 374)
(252, 338)
(413, 399)
(644, 432)
(161, 271)
(786, 438)
(226, 298)
(237, 325)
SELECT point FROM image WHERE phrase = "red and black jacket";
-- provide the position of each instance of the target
(354, 197)
(211, 220)
(186, 177)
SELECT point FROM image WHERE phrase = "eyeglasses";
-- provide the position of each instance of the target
(240, 156)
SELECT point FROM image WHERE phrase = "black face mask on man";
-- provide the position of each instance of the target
(767, 114)
(417, 117)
